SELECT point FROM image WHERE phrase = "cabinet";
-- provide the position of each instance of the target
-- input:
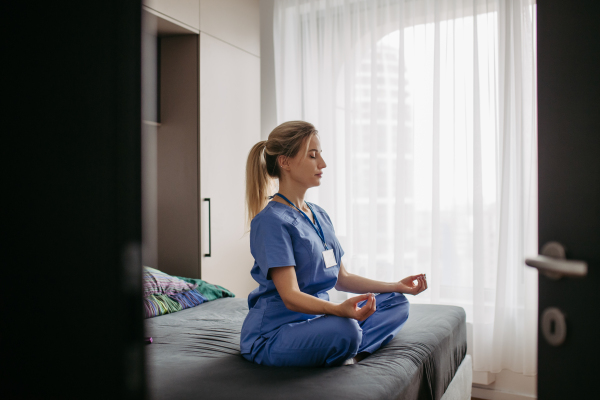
(209, 120)
(229, 126)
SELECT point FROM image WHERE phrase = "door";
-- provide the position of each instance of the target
(569, 192)
(71, 256)
(229, 127)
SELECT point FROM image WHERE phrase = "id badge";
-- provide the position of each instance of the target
(329, 258)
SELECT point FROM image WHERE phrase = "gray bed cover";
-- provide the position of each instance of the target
(195, 355)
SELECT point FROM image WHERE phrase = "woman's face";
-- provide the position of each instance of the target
(306, 168)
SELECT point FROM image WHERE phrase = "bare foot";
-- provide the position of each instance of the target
(350, 361)
(356, 359)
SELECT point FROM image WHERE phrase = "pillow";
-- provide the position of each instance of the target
(208, 290)
(157, 282)
(159, 304)
(165, 294)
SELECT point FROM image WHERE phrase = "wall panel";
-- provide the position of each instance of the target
(236, 22)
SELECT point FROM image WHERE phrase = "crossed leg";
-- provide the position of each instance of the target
(384, 324)
(329, 340)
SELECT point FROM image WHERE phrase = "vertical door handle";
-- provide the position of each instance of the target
(209, 231)
(553, 263)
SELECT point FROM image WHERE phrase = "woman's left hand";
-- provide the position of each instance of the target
(413, 284)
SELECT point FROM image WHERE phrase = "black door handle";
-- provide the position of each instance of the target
(209, 233)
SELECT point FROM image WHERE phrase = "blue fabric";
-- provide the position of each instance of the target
(386, 321)
(280, 236)
(328, 340)
(317, 227)
(272, 334)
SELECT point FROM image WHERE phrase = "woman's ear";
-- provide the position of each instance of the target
(283, 162)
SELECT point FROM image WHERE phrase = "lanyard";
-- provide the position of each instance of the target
(320, 230)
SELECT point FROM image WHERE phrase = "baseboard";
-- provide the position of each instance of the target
(488, 394)
(483, 378)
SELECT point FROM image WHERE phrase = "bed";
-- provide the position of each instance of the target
(195, 354)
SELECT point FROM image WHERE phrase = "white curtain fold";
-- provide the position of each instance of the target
(427, 116)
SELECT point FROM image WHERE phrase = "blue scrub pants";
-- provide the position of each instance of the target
(328, 340)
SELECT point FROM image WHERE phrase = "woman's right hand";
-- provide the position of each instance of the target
(350, 309)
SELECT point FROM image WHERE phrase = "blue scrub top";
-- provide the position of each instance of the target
(281, 236)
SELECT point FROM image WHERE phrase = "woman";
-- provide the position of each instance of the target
(298, 258)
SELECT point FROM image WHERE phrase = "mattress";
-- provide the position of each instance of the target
(195, 353)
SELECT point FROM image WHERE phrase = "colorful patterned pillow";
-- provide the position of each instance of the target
(165, 294)
(157, 282)
(159, 304)
(208, 290)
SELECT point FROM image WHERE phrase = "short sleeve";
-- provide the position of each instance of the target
(271, 244)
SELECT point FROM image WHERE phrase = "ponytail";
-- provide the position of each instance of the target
(262, 168)
(258, 182)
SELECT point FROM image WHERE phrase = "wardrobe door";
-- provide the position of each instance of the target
(229, 127)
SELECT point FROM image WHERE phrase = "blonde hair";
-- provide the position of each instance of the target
(262, 167)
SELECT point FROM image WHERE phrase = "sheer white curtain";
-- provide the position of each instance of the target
(427, 118)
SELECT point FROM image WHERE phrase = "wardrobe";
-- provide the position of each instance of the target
(201, 116)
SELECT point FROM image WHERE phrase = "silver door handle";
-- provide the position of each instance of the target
(553, 263)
